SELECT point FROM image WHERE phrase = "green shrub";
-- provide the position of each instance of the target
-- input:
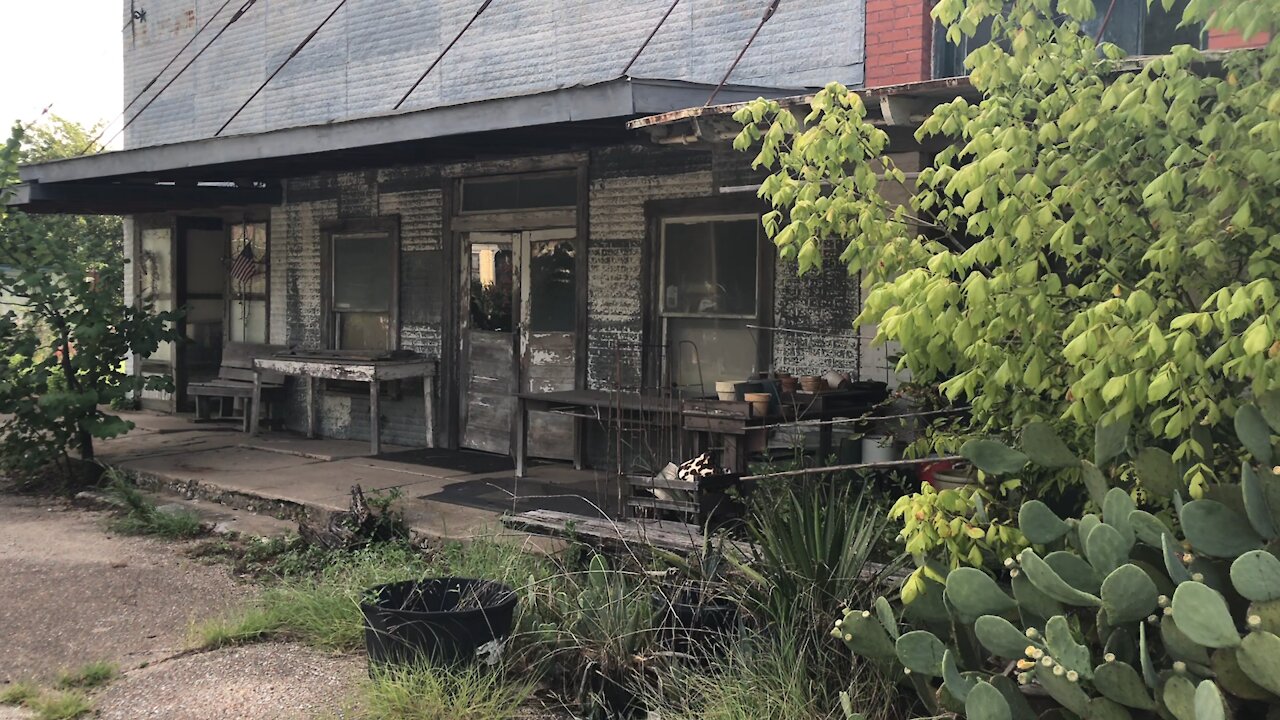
(142, 517)
(1110, 615)
(90, 675)
(19, 693)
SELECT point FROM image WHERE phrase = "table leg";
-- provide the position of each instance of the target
(521, 436)
(824, 443)
(255, 402)
(311, 406)
(375, 440)
(429, 392)
(579, 443)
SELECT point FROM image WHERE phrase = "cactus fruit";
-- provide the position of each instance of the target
(1215, 529)
(1202, 615)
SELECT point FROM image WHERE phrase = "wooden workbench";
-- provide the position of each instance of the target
(314, 366)
(583, 405)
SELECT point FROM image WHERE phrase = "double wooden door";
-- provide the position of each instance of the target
(518, 334)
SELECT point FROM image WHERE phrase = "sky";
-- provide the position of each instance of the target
(62, 53)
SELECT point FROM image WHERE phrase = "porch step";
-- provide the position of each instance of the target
(629, 535)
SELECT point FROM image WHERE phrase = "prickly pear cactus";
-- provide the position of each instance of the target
(1114, 616)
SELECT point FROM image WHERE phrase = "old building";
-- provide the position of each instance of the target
(498, 213)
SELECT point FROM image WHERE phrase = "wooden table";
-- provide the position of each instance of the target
(583, 405)
(374, 371)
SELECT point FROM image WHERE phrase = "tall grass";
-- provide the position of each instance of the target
(433, 693)
(142, 517)
(89, 675)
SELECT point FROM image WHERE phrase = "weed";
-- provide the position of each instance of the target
(89, 676)
(19, 693)
(251, 625)
(466, 693)
(142, 517)
(60, 705)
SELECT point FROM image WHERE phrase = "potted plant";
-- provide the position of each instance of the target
(695, 614)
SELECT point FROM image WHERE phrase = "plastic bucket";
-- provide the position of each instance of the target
(437, 620)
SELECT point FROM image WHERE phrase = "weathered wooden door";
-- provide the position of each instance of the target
(548, 332)
(518, 332)
(488, 335)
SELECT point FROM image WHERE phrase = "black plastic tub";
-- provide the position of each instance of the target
(695, 623)
(443, 621)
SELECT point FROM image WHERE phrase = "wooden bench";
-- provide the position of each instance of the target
(235, 381)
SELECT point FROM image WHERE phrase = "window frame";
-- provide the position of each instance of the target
(569, 174)
(388, 226)
(729, 206)
(265, 295)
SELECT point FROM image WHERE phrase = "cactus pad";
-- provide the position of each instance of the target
(1202, 615)
(1045, 448)
(1209, 702)
(987, 703)
(1256, 576)
(1128, 595)
(1052, 584)
(1179, 695)
(1001, 638)
(958, 685)
(865, 636)
(1157, 473)
(1068, 694)
(1254, 434)
(1119, 682)
(993, 457)
(1075, 570)
(1180, 647)
(1106, 549)
(1217, 530)
(1148, 528)
(1062, 645)
(1226, 668)
(1039, 524)
(974, 593)
(1116, 507)
(1259, 658)
(884, 614)
(1255, 503)
(920, 651)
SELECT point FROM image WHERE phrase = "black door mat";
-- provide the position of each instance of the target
(505, 495)
(472, 462)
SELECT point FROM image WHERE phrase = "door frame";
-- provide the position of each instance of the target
(456, 225)
(462, 303)
(183, 224)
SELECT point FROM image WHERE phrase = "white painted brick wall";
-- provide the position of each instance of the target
(372, 51)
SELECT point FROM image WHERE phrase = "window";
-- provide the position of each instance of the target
(363, 285)
(250, 281)
(492, 287)
(709, 293)
(519, 192)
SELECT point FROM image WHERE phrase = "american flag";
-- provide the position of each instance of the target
(244, 267)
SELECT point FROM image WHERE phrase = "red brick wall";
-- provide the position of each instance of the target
(1224, 40)
(899, 42)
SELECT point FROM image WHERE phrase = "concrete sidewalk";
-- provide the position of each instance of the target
(287, 475)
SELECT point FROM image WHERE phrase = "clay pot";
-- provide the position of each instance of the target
(836, 380)
(759, 403)
(788, 384)
(812, 383)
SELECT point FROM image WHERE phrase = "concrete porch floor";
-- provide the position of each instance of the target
(288, 475)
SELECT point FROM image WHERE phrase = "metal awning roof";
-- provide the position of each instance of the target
(573, 117)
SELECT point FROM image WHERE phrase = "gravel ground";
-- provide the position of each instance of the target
(73, 593)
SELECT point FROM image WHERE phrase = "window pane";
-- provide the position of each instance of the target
(709, 268)
(363, 331)
(704, 351)
(254, 237)
(519, 192)
(248, 321)
(157, 279)
(205, 271)
(204, 338)
(491, 287)
(552, 288)
(362, 273)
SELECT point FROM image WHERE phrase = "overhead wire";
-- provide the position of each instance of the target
(291, 56)
(483, 6)
(768, 13)
(238, 14)
(647, 40)
(152, 81)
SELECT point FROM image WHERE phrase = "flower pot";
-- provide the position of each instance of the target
(725, 390)
(759, 403)
(694, 622)
(836, 380)
(879, 448)
(720, 502)
(438, 620)
(812, 383)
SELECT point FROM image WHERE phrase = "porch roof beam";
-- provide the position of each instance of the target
(124, 199)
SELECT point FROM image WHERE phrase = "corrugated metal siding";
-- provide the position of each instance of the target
(373, 50)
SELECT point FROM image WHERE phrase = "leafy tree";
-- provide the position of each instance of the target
(97, 241)
(63, 343)
(1099, 241)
